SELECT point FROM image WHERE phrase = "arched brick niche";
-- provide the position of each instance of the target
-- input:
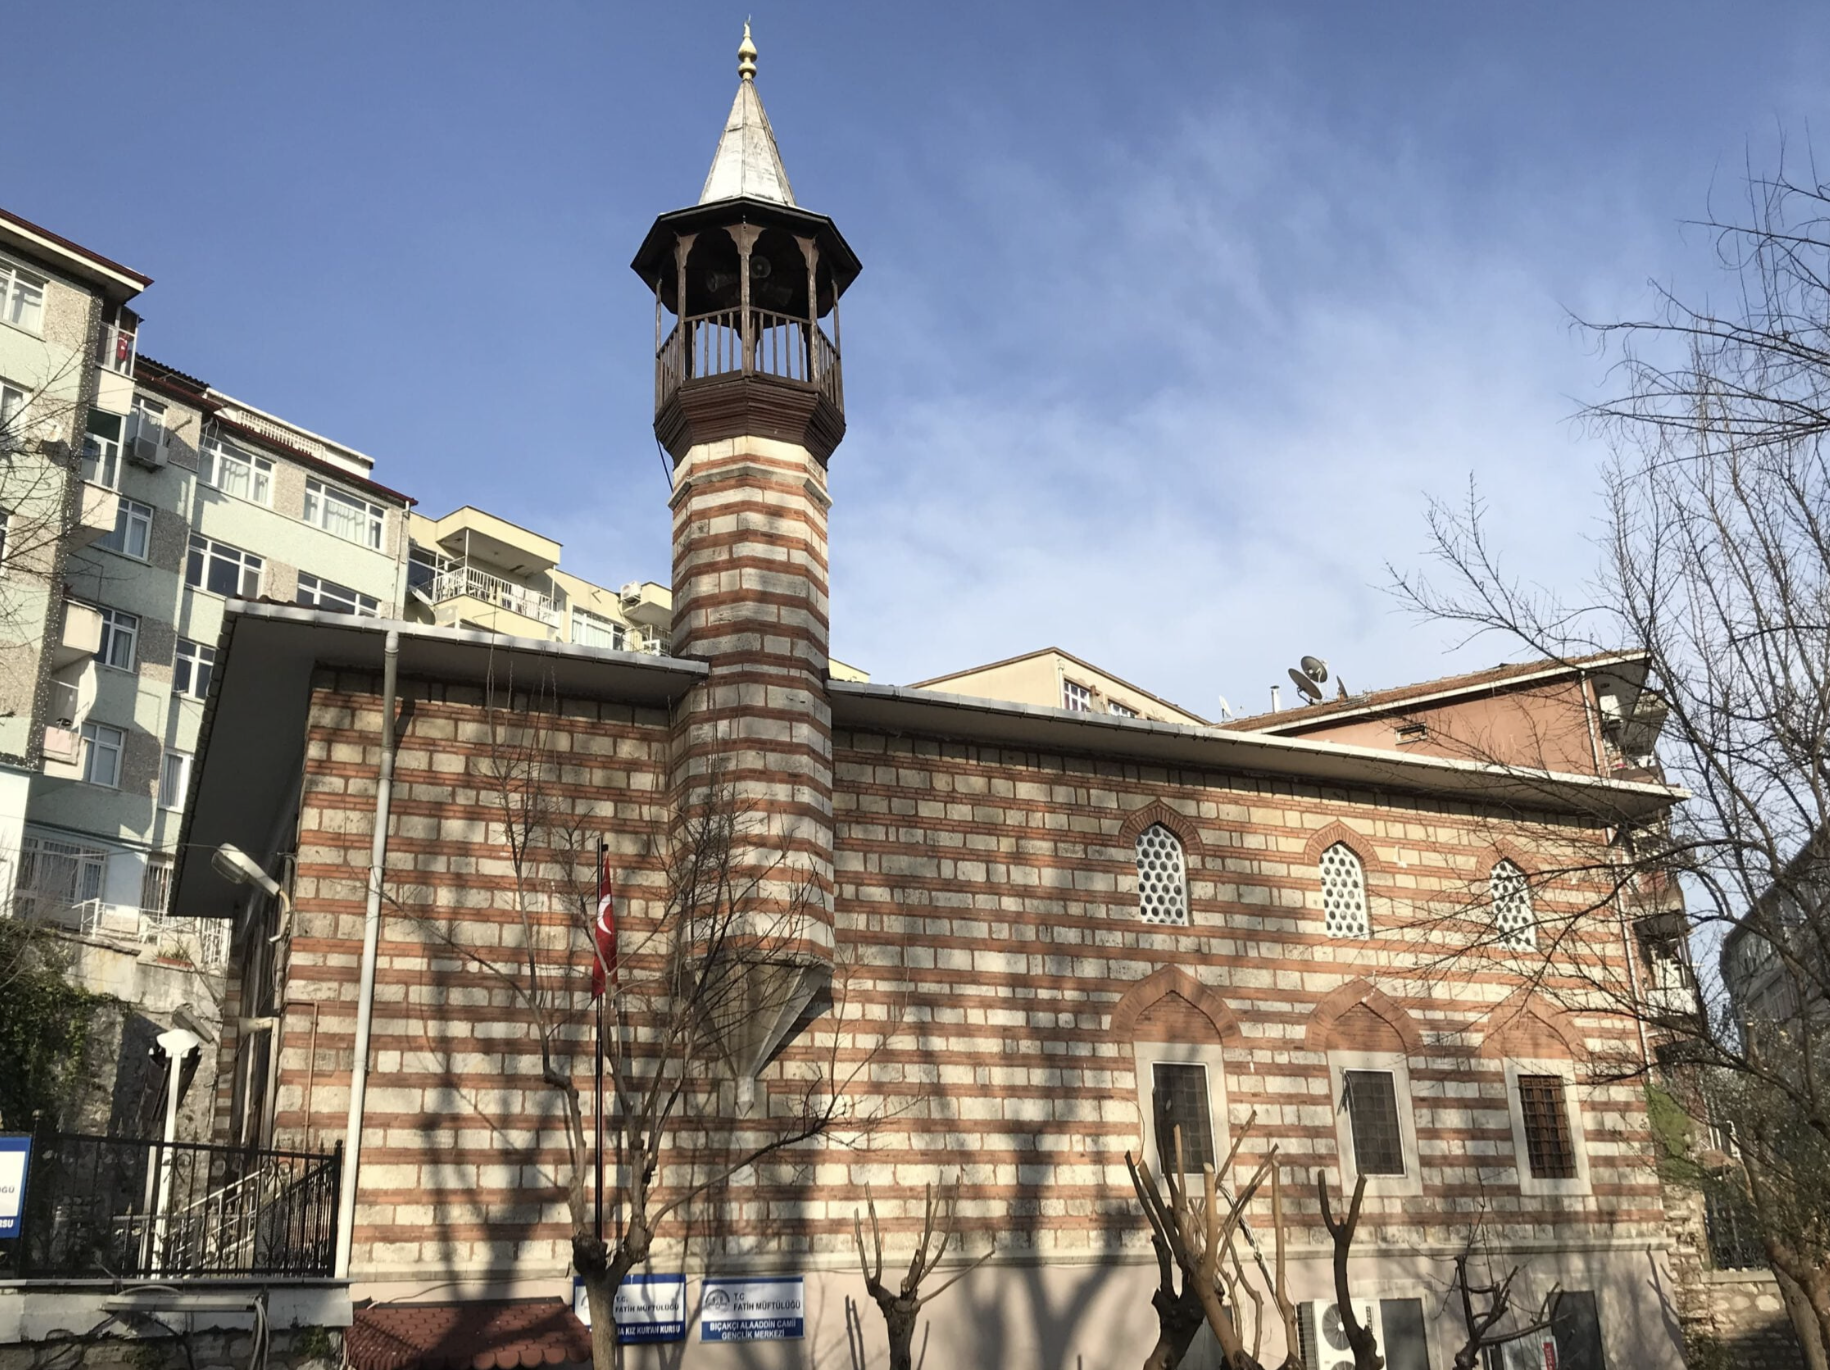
(1526, 1026)
(1359, 843)
(1358, 1016)
(1156, 811)
(1170, 1005)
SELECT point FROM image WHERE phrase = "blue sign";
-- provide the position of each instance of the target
(648, 1307)
(757, 1308)
(15, 1163)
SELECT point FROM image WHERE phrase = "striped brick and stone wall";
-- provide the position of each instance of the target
(999, 997)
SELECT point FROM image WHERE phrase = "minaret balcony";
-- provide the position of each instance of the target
(780, 378)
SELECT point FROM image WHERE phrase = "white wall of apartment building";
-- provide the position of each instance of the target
(231, 503)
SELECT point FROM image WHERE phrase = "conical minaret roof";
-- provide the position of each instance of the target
(747, 163)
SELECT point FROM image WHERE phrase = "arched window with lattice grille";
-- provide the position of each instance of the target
(1162, 876)
(1344, 893)
(1512, 920)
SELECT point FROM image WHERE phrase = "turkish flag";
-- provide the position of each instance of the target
(603, 964)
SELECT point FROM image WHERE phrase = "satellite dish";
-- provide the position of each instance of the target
(1308, 688)
(1315, 668)
(1226, 710)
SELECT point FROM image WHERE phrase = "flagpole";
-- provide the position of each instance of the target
(599, 1150)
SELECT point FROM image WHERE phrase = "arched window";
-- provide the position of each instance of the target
(1344, 892)
(1511, 894)
(1162, 876)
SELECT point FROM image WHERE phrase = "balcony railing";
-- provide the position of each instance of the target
(463, 581)
(705, 345)
(114, 1207)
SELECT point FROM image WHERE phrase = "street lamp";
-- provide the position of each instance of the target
(238, 868)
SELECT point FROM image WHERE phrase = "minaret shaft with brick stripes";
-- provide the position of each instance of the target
(749, 401)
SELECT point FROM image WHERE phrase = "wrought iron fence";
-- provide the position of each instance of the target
(114, 1206)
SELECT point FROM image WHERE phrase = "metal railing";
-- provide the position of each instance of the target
(203, 942)
(702, 346)
(113, 1207)
(504, 594)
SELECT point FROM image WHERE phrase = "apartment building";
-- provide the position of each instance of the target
(66, 357)
(211, 499)
(1054, 679)
(472, 569)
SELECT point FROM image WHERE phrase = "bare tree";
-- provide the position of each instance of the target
(1197, 1239)
(901, 1307)
(1485, 1324)
(688, 977)
(1715, 560)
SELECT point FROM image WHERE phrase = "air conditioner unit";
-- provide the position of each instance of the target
(146, 452)
(1324, 1334)
(631, 591)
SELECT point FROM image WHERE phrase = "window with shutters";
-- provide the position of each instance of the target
(1344, 893)
(1512, 920)
(1162, 876)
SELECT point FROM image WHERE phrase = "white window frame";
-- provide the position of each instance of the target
(18, 284)
(14, 401)
(128, 514)
(169, 801)
(1209, 1055)
(1075, 697)
(118, 624)
(219, 459)
(91, 736)
(208, 547)
(101, 452)
(89, 868)
(1339, 1063)
(197, 664)
(616, 632)
(320, 589)
(147, 419)
(1118, 710)
(6, 528)
(1529, 1184)
(370, 518)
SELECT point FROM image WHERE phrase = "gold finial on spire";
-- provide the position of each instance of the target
(746, 55)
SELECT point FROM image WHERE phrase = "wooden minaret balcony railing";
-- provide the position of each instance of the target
(707, 346)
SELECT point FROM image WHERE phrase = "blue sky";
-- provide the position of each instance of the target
(1172, 314)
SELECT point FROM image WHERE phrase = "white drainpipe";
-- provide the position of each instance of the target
(371, 944)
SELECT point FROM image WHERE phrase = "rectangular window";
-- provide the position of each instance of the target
(1179, 1093)
(55, 877)
(102, 748)
(120, 636)
(1077, 697)
(1114, 707)
(235, 472)
(6, 523)
(425, 565)
(102, 449)
(315, 593)
(132, 533)
(346, 515)
(1372, 1110)
(174, 780)
(1549, 1150)
(156, 886)
(13, 402)
(21, 297)
(192, 668)
(594, 630)
(222, 569)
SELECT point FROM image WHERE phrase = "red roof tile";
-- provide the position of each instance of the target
(515, 1334)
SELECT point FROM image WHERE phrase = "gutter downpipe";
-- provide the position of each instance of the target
(371, 946)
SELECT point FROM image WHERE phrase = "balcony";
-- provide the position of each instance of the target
(114, 354)
(470, 535)
(648, 604)
(703, 346)
(119, 1208)
(465, 594)
(80, 639)
(1671, 993)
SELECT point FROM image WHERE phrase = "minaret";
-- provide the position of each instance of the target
(748, 401)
